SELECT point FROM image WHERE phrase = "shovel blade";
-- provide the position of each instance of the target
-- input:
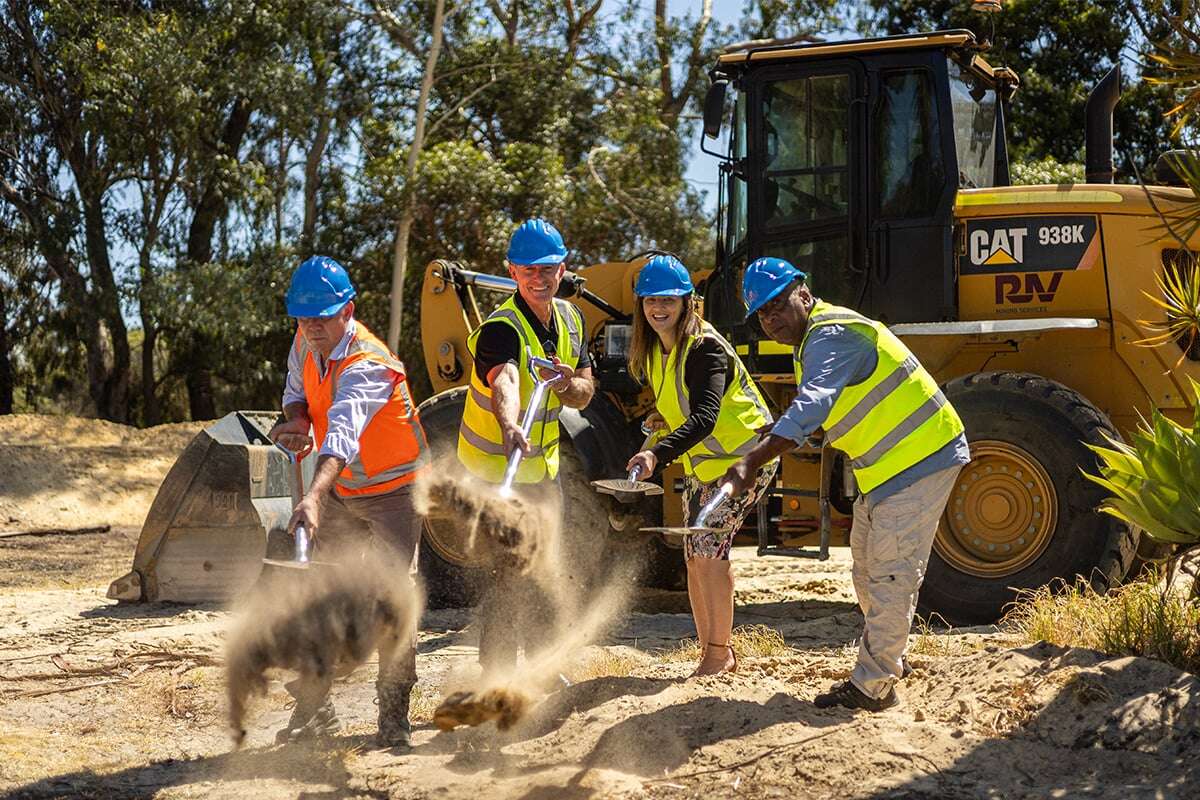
(626, 491)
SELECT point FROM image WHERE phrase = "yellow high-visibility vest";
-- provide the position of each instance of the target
(892, 420)
(480, 445)
(742, 408)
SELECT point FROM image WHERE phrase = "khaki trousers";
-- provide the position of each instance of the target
(890, 543)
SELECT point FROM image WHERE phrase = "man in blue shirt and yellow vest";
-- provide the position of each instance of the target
(905, 443)
(533, 321)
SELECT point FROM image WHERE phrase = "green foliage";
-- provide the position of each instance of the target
(1060, 49)
(1155, 481)
(1045, 171)
(1179, 298)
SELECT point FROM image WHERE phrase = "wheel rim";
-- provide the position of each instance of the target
(1001, 514)
(447, 537)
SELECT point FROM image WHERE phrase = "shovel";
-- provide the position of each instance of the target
(531, 413)
(300, 557)
(496, 508)
(630, 490)
(701, 524)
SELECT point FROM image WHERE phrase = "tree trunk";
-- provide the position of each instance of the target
(407, 212)
(150, 411)
(115, 390)
(312, 168)
(82, 306)
(211, 207)
(6, 370)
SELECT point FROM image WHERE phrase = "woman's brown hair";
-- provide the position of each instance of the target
(645, 341)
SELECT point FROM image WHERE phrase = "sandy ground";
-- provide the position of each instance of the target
(70, 472)
(109, 701)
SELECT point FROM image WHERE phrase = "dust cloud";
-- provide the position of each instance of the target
(497, 528)
(577, 584)
(322, 622)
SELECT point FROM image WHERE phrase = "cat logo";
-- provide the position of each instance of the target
(999, 246)
(1021, 289)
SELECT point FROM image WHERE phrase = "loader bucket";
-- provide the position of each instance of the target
(223, 506)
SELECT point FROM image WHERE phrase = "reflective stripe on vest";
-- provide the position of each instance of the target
(742, 408)
(392, 448)
(892, 420)
(480, 445)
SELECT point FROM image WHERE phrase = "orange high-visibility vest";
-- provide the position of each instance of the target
(392, 448)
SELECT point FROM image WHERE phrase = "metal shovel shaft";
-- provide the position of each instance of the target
(722, 495)
(301, 555)
(296, 485)
(531, 412)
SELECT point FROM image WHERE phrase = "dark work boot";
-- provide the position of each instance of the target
(313, 716)
(394, 728)
(848, 695)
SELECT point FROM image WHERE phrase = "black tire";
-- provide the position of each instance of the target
(1050, 423)
(664, 566)
(447, 584)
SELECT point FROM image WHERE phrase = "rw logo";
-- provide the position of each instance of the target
(1021, 289)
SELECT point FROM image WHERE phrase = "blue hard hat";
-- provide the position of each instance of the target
(664, 276)
(765, 279)
(536, 242)
(320, 288)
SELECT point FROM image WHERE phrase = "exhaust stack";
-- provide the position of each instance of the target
(1098, 130)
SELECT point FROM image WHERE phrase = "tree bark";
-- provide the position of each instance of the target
(115, 390)
(673, 102)
(312, 166)
(407, 209)
(510, 20)
(6, 370)
(196, 361)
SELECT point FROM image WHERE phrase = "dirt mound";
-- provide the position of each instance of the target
(64, 471)
(1073, 698)
(62, 431)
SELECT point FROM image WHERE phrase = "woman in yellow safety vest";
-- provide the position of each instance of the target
(711, 409)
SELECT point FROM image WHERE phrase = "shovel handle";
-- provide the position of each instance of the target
(635, 473)
(301, 545)
(723, 494)
(531, 412)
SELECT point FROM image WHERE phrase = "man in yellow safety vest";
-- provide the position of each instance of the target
(905, 443)
(532, 321)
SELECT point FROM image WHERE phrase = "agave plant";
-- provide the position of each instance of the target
(1155, 480)
(1179, 290)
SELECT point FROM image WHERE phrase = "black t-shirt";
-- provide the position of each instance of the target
(499, 343)
(706, 373)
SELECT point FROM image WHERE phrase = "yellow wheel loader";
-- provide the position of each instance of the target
(880, 168)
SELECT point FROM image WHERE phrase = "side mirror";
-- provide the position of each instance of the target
(714, 109)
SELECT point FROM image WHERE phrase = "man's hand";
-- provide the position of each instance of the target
(293, 435)
(646, 460)
(514, 438)
(739, 477)
(560, 377)
(308, 514)
(654, 422)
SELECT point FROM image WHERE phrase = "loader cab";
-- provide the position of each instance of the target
(845, 158)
